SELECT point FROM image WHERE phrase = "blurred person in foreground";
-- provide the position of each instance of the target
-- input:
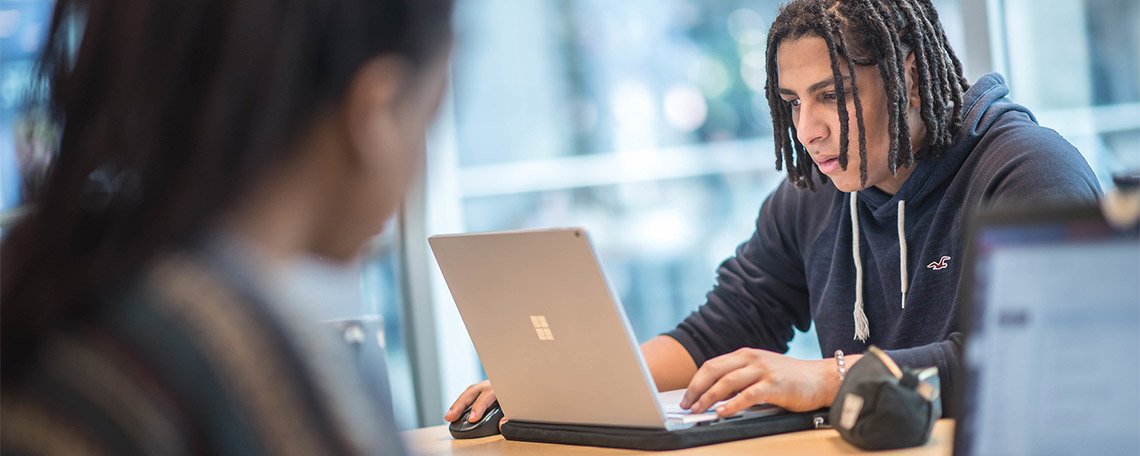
(208, 147)
(887, 149)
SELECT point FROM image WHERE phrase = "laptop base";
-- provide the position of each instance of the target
(660, 439)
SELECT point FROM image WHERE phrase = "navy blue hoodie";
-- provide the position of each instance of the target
(799, 267)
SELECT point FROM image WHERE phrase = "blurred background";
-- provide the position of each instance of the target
(643, 121)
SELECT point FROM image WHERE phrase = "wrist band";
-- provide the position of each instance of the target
(840, 365)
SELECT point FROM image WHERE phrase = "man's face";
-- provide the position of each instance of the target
(807, 83)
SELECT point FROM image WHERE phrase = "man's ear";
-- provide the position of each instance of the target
(912, 96)
(369, 106)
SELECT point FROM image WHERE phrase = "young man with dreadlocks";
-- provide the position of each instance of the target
(868, 94)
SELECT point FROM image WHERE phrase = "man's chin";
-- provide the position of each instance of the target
(845, 184)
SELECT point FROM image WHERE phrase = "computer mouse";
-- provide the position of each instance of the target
(488, 425)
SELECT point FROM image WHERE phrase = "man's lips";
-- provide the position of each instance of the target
(828, 165)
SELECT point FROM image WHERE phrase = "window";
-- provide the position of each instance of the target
(22, 150)
(1076, 65)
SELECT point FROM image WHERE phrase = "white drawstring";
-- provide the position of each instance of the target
(862, 325)
(902, 252)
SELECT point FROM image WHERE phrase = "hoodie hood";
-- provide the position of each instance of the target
(984, 102)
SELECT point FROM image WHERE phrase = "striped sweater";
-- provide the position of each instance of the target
(194, 360)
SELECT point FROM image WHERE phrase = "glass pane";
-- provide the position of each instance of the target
(24, 143)
(547, 79)
(1076, 64)
(382, 290)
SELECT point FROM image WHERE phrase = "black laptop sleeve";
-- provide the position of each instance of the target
(660, 439)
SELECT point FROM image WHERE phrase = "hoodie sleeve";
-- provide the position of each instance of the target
(760, 293)
(945, 355)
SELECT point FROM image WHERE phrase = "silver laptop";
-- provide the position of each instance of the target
(551, 334)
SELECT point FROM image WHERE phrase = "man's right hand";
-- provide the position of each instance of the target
(479, 397)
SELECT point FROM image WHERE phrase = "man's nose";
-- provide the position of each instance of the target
(811, 126)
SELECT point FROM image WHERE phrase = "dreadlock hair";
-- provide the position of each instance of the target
(870, 32)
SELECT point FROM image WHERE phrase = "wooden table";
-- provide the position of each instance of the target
(435, 441)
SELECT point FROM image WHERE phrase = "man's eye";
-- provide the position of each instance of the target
(794, 103)
(833, 96)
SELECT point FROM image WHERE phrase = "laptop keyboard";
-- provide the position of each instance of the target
(674, 414)
(671, 405)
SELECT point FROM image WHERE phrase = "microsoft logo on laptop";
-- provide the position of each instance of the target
(541, 327)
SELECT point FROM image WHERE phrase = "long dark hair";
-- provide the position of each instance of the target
(880, 33)
(168, 110)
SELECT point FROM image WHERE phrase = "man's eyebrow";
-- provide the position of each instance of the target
(818, 86)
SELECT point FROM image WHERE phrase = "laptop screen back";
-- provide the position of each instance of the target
(1052, 356)
(550, 333)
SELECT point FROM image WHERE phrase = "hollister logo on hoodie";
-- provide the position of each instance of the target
(940, 264)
